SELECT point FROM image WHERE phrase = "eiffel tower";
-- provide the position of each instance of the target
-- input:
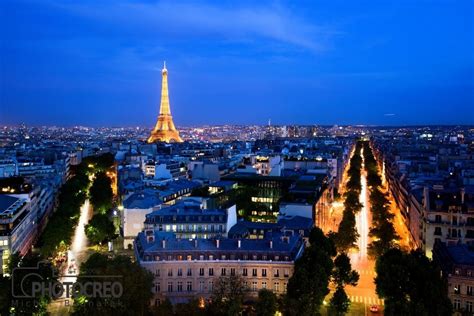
(164, 130)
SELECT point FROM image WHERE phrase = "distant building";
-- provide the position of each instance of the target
(185, 269)
(447, 215)
(188, 219)
(135, 208)
(457, 264)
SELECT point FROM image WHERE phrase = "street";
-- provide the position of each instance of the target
(76, 256)
(364, 292)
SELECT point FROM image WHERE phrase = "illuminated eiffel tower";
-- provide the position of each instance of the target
(164, 130)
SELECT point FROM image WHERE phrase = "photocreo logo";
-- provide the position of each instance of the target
(29, 283)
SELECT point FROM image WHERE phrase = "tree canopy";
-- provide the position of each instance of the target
(135, 281)
(411, 284)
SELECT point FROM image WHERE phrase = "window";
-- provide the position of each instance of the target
(157, 287)
(170, 286)
(223, 271)
(276, 287)
(457, 289)
(254, 286)
(264, 272)
(276, 273)
(457, 304)
(211, 285)
(157, 272)
(264, 285)
(189, 257)
(170, 272)
(180, 286)
(232, 271)
(189, 286)
(469, 290)
(437, 231)
(254, 272)
(190, 272)
(244, 271)
(211, 271)
(438, 219)
(286, 273)
(201, 257)
(469, 306)
(284, 287)
(201, 286)
(180, 272)
(201, 271)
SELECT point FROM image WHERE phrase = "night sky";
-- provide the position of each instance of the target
(97, 63)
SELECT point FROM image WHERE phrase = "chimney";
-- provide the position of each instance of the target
(163, 243)
(150, 236)
(271, 244)
(217, 243)
(426, 198)
(463, 192)
(239, 242)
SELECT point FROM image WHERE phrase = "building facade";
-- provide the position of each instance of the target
(188, 268)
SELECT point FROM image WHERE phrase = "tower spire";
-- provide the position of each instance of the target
(164, 130)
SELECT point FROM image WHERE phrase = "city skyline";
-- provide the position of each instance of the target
(297, 65)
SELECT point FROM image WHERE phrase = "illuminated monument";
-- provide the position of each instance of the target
(164, 130)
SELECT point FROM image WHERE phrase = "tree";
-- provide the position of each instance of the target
(342, 275)
(191, 308)
(136, 284)
(31, 268)
(164, 309)
(228, 295)
(267, 303)
(411, 284)
(100, 228)
(347, 235)
(101, 193)
(339, 303)
(309, 284)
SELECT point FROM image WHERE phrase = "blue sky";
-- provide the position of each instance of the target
(97, 63)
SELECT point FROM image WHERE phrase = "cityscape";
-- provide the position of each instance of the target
(210, 197)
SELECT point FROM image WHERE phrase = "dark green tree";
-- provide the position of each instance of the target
(101, 193)
(309, 283)
(411, 284)
(342, 275)
(267, 303)
(99, 229)
(228, 295)
(135, 281)
(164, 309)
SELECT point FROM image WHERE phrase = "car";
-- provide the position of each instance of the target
(374, 308)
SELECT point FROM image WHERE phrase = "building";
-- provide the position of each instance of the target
(188, 268)
(188, 219)
(165, 131)
(18, 226)
(457, 265)
(135, 208)
(447, 216)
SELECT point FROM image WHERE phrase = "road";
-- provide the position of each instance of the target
(364, 292)
(76, 256)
